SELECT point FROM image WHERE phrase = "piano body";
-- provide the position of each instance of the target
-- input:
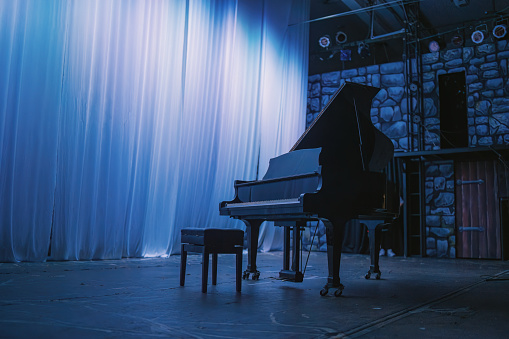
(333, 173)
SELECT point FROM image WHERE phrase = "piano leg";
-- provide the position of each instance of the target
(374, 234)
(253, 230)
(335, 234)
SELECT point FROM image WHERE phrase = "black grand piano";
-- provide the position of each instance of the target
(333, 173)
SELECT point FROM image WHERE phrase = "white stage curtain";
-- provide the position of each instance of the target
(123, 121)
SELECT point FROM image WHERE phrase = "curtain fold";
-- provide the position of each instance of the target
(122, 122)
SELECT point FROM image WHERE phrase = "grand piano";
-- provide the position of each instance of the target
(334, 173)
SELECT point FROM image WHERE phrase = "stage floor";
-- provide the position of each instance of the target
(416, 297)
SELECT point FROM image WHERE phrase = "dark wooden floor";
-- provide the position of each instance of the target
(416, 297)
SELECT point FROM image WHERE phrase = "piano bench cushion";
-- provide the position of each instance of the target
(214, 239)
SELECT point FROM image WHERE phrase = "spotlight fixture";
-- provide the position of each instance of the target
(324, 41)
(363, 50)
(434, 46)
(479, 34)
(457, 40)
(500, 31)
(341, 37)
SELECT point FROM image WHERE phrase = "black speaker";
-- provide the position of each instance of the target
(453, 110)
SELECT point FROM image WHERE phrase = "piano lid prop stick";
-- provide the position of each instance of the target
(360, 136)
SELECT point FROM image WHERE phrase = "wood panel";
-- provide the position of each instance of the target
(477, 209)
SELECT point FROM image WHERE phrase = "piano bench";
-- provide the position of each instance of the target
(211, 241)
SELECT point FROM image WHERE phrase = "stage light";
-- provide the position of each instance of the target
(341, 37)
(457, 40)
(500, 31)
(363, 50)
(324, 41)
(434, 46)
(479, 34)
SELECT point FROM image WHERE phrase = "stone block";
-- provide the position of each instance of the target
(446, 170)
(325, 100)
(381, 95)
(485, 49)
(386, 113)
(472, 70)
(442, 211)
(482, 107)
(491, 57)
(309, 118)
(388, 103)
(430, 110)
(430, 243)
(397, 114)
(495, 83)
(502, 45)
(392, 68)
(477, 61)
(444, 199)
(491, 74)
(430, 58)
(427, 68)
(470, 112)
(500, 105)
(432, 171)
(449, 220)
(474, 87)
(457, 70)
(314, 78)
(452, 252)
(390, 80)
(373, 111)
(485, 141)
(438, 65)
(375, 103)
(488, 94)
(428, 87)
(433, 221)
(442, 248)
(468, 53)
(329, 90)
(503, 55)
(481, 120)
(359, 80)
(489, 66)
(482, 129)
(373, 69)
(471, 78)
(314, 105)
(315, 90)
(427, 76)
(362, 70)
(439, 183)
(404, 105)
(330, 79)
(441, 232)
(453, 63)
(348, 73)
(395, 130)
(375, 80)
(396, 93)
(451, 54)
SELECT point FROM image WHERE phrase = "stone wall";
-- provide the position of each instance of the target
(486, 71)
(487, 78)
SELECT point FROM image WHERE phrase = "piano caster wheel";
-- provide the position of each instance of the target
(338, 292)
(377, 275)
(256, 276)
(245, 276)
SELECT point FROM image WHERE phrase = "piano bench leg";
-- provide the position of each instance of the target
(214, 268)
(183, 263)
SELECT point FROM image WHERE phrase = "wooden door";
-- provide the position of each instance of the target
(477, 210)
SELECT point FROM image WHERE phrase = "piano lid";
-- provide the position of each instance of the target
(345, 127)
